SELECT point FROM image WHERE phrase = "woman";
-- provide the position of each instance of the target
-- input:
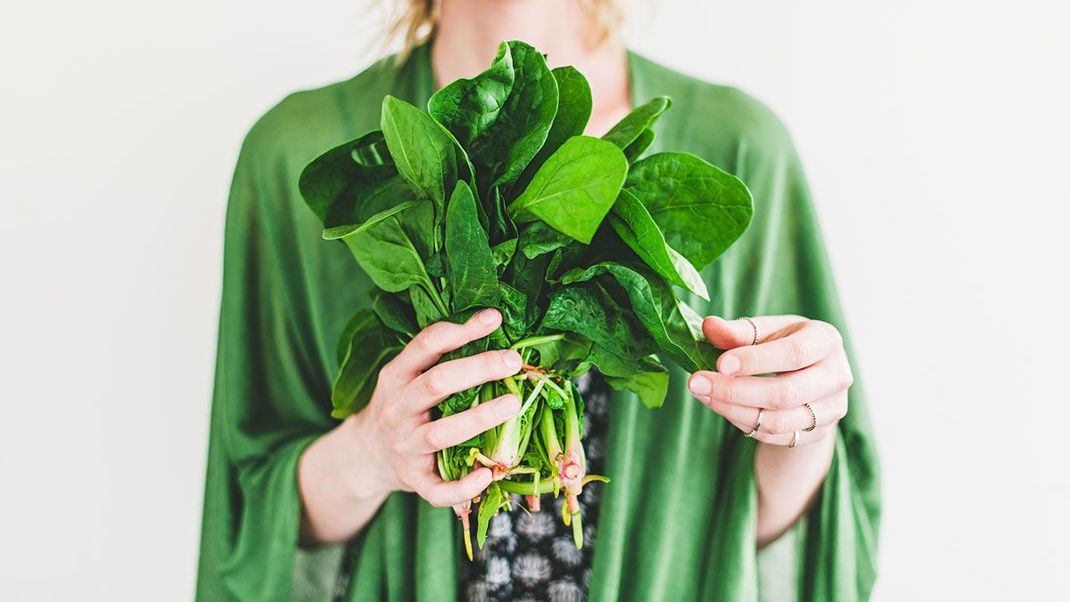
(698, 487)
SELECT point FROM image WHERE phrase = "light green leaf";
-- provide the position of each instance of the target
(574, 189)
(637, 229)
(700, 208)
(471, 271)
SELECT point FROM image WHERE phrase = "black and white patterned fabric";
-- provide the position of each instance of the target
(531, 556)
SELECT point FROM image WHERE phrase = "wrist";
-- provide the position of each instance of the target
(364, 469)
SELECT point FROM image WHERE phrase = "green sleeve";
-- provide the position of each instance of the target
(780, 266)
(273, 372)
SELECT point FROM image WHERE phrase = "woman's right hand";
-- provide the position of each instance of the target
(397, 420)
(345, 475)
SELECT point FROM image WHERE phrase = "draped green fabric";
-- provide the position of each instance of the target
(678, 519)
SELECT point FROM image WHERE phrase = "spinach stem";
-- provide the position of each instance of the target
(539, 340)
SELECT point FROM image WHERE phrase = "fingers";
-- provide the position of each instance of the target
(792, 348)
(784, 391)
(438, 339)
(828, 410)
(729, 334)
(455, 376)
(458, 428)
(441, 493)
(785, 439)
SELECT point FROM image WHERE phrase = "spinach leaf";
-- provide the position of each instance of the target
(469, 107)
(627, 130)
(539, 238)
(425, 154)
(385, 252)
(365, 350)
(588, 310)
(574, 189)
(657, 309)
(640, 144)
(334, 183)
(650, 381)
(471, 271)
(574, 104)
(637, 229)
(395, 313)
(700, 208)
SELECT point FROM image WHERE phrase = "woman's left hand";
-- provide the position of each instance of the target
(810, 367)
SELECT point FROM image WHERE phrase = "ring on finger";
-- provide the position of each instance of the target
(754, 327)
(813, 418)
(757, 424)
(794, 439)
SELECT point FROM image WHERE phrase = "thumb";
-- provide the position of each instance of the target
(729, 334)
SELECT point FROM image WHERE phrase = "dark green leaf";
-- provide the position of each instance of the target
(650, 382)
(658, 309)
(538, 238)
(425, 154)
(635, 123)
(639, 145)
(469, 107)
(574, 189)
(366, 350)
(637, 229)
(503, 115)
(395, 313)
(385, 252)
(574, 105)
(513, 305)
(588, 310)
(334, 184)
(701, 209)
(503, 254)
(473, 275)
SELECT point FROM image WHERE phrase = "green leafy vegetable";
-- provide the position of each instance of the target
(574, 189)
(495, 198)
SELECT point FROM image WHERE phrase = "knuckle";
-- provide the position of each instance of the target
(786, 396)
(774, 423)
(799, 351)
(432, 437)
(434, 382)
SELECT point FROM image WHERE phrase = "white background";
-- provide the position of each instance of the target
(936, 136)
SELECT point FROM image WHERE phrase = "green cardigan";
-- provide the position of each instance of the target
(677, 522)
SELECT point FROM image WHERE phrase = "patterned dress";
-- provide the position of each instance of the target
(531, 556)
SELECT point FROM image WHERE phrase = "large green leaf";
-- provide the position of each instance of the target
(335, 185)
(364, 349)
(425, 154)
(471, 271)
(657, 309)
(574, 189)
(587, 309)
(574, 104)
(384, 250)
(637, 229)
(469, 107)
(627, 130)
(700, 208)
(506, 134)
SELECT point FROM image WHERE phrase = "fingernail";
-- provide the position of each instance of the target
(512, 360)
(508, 406)
(488, 316)
(700, 385)
(729, 364)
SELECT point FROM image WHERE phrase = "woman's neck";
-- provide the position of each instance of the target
(469, 32)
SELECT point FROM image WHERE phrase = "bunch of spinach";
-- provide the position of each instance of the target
(493, 197)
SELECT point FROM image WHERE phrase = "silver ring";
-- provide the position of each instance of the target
(754, 327)
(813, 418)
(758, 424)
(794, 439)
